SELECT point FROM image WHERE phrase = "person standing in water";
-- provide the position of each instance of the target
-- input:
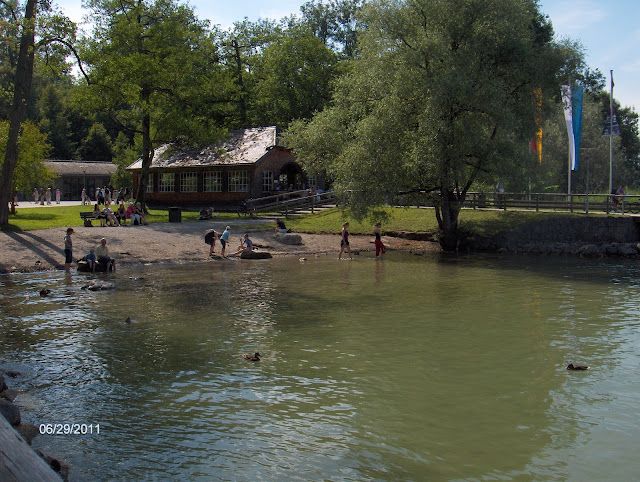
(68, 251)
(224, 239)
(380, 247)
(344, 242)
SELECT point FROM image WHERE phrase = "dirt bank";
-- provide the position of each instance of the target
(42, 250)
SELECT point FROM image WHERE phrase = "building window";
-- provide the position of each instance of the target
(213, 181)
(188, 182)
(150, 183)
(267, 181)
(313, 181)
(166, 182)
(239, 181)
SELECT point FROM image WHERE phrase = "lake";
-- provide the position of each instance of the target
(413, 368)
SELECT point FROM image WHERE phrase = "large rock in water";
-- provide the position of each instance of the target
(83, 267)
(289, 238)
(255, 255)
(10, 412)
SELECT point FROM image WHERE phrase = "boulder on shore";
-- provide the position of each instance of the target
(289, 238)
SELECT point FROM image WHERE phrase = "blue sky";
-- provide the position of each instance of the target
(609, 30)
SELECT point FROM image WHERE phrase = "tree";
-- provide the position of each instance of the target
(150, 64)
(33, 150)
(97, 146)
(334, 23)
(18, 109)
(293, 77)
(54, 31)
(439, 93)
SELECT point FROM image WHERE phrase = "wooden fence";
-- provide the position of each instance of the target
(288, 203)
(540, 202)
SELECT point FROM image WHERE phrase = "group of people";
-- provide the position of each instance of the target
(119, 217)
(43, 195)
(97, 255)
(104, 195)
(245, 246)
(344, 241)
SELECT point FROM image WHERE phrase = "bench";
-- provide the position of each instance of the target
(84, 215)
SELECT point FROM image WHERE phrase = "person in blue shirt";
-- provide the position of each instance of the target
(246, 245)
(224, 239)
(91, 260)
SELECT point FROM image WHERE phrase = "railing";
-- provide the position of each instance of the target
(542, 202)
(289, 202)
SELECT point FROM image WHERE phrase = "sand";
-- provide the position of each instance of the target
(43, 250)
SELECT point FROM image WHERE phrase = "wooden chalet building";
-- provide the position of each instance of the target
(250, 164)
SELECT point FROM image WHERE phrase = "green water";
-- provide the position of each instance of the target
(414, 368)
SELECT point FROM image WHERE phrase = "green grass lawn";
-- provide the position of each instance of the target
(327, 222)
(69, 216)
(416, 220)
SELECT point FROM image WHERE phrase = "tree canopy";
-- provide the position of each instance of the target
(440, 93)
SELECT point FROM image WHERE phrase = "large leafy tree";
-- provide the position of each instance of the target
(150, 64)
(26, 29)
(440, 92)
(294, 76)
(30, 170)
(334, 22)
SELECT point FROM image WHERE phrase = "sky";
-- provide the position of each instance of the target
(609, 30)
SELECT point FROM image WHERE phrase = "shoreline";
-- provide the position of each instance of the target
(42, 250)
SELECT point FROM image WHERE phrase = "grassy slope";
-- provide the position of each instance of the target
(326, 222)
(416, 220)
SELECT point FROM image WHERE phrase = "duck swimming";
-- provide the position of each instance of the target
(254, 357)
(571, 366)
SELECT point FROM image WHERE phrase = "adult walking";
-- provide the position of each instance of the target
(344, 241)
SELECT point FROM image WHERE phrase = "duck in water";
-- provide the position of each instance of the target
(571, 366)
(254, 357)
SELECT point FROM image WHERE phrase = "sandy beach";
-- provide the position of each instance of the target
(42, 250)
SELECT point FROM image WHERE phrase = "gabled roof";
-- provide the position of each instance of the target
(243, 147)
(79, 168)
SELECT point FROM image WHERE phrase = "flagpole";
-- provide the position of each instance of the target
(611, 136)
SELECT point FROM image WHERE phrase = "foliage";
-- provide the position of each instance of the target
(97, 145)
(440, 93)
(151, 62)
(334, 23)
(30, 171)
(294, 77)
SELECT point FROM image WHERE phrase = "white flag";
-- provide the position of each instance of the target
(567, 104)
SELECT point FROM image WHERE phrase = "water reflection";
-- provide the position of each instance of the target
(411, 368)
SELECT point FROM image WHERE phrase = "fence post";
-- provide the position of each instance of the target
(313, 202)
(537, 202)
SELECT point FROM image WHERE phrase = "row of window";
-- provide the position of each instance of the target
(237, 181)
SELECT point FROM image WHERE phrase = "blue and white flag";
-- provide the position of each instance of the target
(567, 105)
(578, 94)
(572, 105)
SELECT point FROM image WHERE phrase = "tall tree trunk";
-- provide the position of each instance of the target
(242, 101)
(147, 154)
(18, 113)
